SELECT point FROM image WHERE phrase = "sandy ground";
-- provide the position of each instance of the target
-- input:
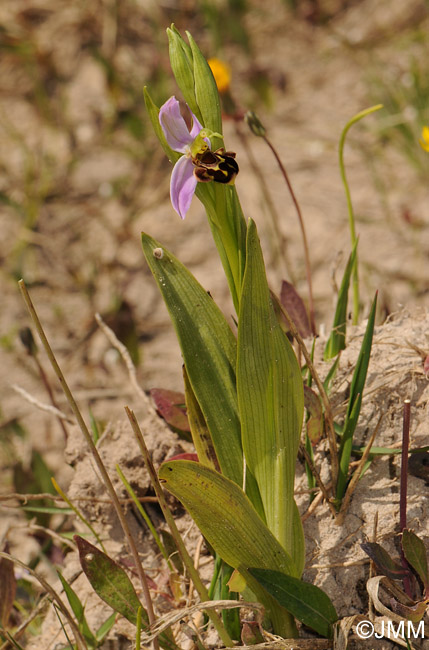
(77, 189)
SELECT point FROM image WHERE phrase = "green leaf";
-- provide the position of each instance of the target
(230, 524)
(109, 580)
(105, 628)
(206, 92)
(200, 434)
(209, 352)
(153, 112)
(355, 401)
(271, 401)
(306, 602)
(415, 554)
(182, 64)
(337, 339)
(384, 562)
(78, 611)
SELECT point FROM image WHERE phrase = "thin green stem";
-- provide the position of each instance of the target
(145, 516)
(355, 274)
(77, 512)
(87, 435)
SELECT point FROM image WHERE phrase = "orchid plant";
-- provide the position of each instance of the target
(244, 391)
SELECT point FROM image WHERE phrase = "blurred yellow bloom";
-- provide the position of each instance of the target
(222, 74)
(424, 140)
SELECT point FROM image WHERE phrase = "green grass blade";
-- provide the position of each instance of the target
(78, 611)
(230, 524)
(77, 512)
(145, 516)
(105, 627)
(355, 400)
(305, 601)
(271, 399)
(349, 124)
(209, 352)
(337, 338)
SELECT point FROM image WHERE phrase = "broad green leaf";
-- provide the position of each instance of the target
(384, 562)
(231, 526)
(355, 401)
(305, 601)
(206, 92)
(271, 401)
(78, 610)
(415, 554)
(109, 580)
(337, 339)
(182, 64)
(209, 352)
(200, 434)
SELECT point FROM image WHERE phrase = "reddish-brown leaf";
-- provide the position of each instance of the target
(170, 405)
(294, 305)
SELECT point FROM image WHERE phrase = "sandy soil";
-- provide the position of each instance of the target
(77, 188)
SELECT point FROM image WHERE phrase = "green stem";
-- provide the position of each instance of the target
(229, 232)
(355, 274)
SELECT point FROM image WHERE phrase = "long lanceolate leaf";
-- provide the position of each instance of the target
(355, 401)
(209, 352)
(337, 338)
(232, 526)
(271, 402)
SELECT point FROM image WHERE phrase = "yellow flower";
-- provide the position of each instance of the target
(424, 140)
(222, 74)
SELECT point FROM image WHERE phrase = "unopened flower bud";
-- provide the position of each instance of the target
(254, 124)
(27, 340)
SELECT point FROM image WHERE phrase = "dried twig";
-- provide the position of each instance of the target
(48, 408)
(120, 347)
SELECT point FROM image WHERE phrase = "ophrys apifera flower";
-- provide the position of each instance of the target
(199, 162)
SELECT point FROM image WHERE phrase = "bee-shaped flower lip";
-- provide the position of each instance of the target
(198, 162)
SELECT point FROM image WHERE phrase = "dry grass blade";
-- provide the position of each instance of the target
(48, 408)
(292, 644)
(176, 616)
(120, 347)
